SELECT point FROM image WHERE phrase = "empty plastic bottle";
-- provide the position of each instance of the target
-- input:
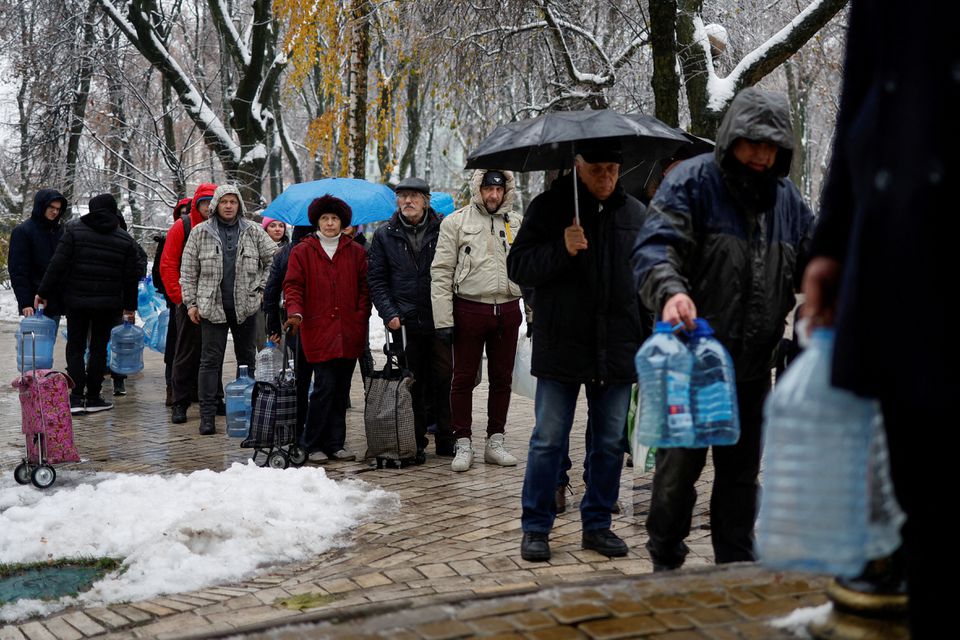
(44, 330)
(269, 363)
(238, 396)
(664, 365)
(713, 390)
(126, 349)
(817, 438)
(886, 518)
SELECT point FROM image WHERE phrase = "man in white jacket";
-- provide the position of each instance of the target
(476, 306)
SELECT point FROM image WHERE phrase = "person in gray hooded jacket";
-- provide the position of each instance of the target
(725, 239)
(225, 266)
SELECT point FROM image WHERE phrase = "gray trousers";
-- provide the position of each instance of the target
(214, 345)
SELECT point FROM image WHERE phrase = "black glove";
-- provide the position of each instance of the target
(529, 330)
(445, 335)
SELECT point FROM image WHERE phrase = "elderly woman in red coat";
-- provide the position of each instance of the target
(327, 301)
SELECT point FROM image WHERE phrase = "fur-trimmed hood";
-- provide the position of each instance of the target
(509, 191)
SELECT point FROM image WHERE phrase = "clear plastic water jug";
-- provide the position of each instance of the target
(817, 440)
(713, 390)
(269, 363)
(238, 396)
(664, 365)
(44, 330)
(126, 349)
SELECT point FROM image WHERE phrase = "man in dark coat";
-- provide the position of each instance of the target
(400, 256)
(97, 266)
(885, 255)
(32, 245)
(586, 331)
(725, 239)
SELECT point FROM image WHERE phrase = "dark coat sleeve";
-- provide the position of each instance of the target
(134, 268)
(538, 253)
(274, 288)
(59, 264)
(378, 279)
(665, 241)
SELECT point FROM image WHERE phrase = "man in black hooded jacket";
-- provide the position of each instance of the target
(32, 244)
(97, 266)
(725, 239)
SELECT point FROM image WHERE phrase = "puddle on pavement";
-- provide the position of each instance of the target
(51, 581)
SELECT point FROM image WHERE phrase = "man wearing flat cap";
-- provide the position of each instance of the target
(477, 307)
(585, 334)
(399, 257)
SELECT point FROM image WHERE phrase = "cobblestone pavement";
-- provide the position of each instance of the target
(440, 568)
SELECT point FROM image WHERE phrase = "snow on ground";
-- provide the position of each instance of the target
(179, 532)
(8, 306)
(796, 623)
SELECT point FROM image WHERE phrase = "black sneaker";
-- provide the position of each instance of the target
(119, 387)
(76, 405)
(178, 414)
(98, 404)
(208, 425)
(535, 547)
(604, 542)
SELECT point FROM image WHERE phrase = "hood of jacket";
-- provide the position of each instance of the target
(42, 200)
(181, 203)
(205, 190)
(759, 115)
(104, 216)
(224, 190)
(509, 190)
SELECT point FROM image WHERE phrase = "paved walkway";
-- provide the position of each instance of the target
(433, 567)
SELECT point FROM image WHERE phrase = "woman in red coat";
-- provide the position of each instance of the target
(327, 301)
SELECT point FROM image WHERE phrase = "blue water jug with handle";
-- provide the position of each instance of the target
(664, 365)
(44, 332)
(126, 349)
(817, 439)
(238, 396)
(713, 390)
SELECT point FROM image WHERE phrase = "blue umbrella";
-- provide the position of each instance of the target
(442, 202)
(370, 201)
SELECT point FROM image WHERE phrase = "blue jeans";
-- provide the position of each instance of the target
(555, 403)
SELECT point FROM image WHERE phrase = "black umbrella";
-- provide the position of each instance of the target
(551, 140)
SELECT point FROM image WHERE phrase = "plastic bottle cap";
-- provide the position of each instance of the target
(269, 344)
(703, 328)
(663, 327)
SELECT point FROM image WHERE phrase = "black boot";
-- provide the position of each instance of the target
(208, 425)
(178, 414)
(535, 547)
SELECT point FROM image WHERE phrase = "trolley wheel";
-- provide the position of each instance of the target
(278, 460)
(22, 473)
(43, 476)
(297, 455)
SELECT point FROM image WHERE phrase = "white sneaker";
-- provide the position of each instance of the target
(464, 455)
(496, 453)
(342, 454)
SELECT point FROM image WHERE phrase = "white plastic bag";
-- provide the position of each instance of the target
(523, 381)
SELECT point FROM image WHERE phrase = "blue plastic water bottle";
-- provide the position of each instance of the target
(45, 331)
(713, 390)
(664, 365)
(814, 512)
(126, 349)
(239, 395)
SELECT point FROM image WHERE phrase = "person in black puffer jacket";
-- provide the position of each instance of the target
(97, 266)
(32, 245)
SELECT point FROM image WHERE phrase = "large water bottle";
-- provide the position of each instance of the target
(886, 518)
(45, 331)
(713, 390)
(817, 438)
(664, 365)
(269, 362)
(126, 349)
(239, 395)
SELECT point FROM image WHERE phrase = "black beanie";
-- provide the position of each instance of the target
(330, 204)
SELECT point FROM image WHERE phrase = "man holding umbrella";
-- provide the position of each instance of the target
(586, 333)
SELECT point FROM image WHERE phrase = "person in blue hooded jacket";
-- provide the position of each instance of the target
(725, 239)
(32, 245)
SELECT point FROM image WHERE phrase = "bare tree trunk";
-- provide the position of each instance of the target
(665, 80)
(798, 96)
(169, 150)
(79, 108)
(359, 59)
(408, 161)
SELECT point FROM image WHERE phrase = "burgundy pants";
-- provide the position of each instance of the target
(477, 325)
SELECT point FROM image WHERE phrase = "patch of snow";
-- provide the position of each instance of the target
(718, 36)
(179, 532)
(798, 620)
(8, 306)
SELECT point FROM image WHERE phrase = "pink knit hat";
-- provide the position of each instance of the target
(266, 222)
